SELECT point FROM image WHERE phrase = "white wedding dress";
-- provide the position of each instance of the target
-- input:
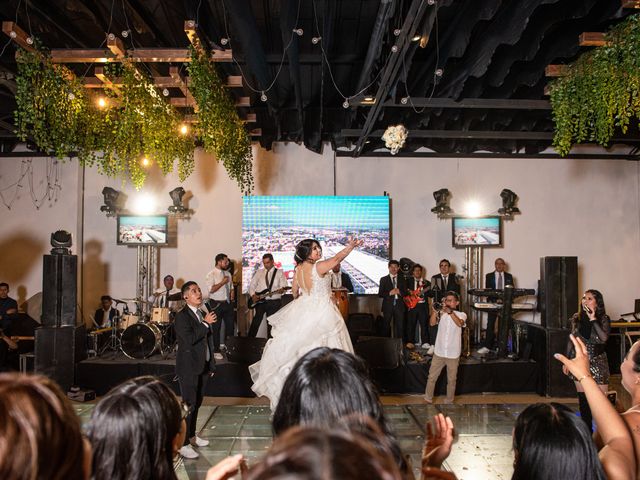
(312, 320)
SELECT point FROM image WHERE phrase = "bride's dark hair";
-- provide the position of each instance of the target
(303, 250)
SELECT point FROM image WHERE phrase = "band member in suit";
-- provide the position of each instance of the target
(195, 362)
(496, 280)
(392, 288)
(104, 315)
(445, 281)
(220, 289)
(268, 279)
(419, 314)
(163, 297)
(341, 279)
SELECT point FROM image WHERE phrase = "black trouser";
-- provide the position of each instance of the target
(396, 313)
(417, 316)
(269, 307)
(225, 314)
(4, 356)
(192, 391)
(491, 326)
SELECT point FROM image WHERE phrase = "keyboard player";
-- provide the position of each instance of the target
(497, 280)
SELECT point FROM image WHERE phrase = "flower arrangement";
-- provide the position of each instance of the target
(394, 137)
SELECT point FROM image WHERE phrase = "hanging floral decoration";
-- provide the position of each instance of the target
(395, 137)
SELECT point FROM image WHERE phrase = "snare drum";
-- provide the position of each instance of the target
(141, 340)
(160, 315)
(128, 320)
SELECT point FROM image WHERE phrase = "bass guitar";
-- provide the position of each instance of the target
(263, 295)
(413, 298)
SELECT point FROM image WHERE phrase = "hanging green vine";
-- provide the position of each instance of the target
(219, 127)
(601, 91)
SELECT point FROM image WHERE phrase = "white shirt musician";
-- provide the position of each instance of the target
(265, 291)
(165, 297)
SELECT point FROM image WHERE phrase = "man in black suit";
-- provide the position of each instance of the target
(444, 282)
(392, 288)
(195, 362)
(340, 279)
(497, 280)
(104, 315)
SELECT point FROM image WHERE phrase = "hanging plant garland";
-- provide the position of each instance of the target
(601, 91)
(219, 126)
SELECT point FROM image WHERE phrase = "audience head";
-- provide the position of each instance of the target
(308, 249)
(191, 293)
(168, 282)
(551, 442)
(40, 434)
(394, 267)
(445, 266)
(4, 290)
(222, 261)
(630, 369)
(136, 430)
(318, 454)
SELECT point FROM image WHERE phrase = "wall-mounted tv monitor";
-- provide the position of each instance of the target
(477, 232)
(142, 230)
(275, 224)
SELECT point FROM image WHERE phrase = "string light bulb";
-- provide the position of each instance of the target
(30, 40)
(165, 92)
(145, 162)
(439, 72)
(124, 33)
(224, 41)
(13, 34)
(404, 100)
(394, 49)
(298, 31)
(111, 37)
(263, 96)
(184, 129)
(102, 102)
(345, 104)
(397, 32)
(316, 40)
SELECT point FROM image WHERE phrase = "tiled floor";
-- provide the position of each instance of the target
(482, 450)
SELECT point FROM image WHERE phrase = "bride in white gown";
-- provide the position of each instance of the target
(311, 320)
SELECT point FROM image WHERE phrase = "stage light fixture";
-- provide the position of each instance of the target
(406, 266)
(61, 242)
(509, 199)
(112, 200)
(176, 197)
(442, 208)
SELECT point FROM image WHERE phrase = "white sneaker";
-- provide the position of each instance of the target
(430, 350)
(426, 346)
(483, 350)
(200, 442)
(187, 451)
(218, 356)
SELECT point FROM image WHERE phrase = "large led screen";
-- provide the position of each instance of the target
(275, 224)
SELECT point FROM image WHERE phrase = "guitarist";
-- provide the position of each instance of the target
(417, 306)
(267, 279)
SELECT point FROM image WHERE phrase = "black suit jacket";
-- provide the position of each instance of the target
(386, 285)
(346, 281)
(437, 283)
(99, 316)
(193, 338)
(490, 281)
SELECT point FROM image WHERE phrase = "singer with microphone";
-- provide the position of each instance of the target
(593, 326)
(195, 362)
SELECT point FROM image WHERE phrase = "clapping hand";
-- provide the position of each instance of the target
(437, 446)
(578, 366)
(227, 468)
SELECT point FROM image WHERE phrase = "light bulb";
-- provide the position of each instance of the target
(394, 49)
(439, 72)
(191, 23)
(111, 37)
(345, 104)
(124, 33)
(13, 34)
(145, 162)
(298, 31)
(397, 32)
(165, 92)
(71, 96)
(404, 100)
(224, 41)
(263, 97)
(316, 40)
(184, 129)
(102, 102)
(30, 40)
(431, 2)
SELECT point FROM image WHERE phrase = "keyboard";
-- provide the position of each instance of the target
(496, 307)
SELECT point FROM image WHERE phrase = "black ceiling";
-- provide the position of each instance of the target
(485, 49)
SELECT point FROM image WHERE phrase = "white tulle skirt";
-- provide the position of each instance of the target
(298, 327)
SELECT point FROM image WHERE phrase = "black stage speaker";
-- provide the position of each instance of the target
(361, 324)
(244, 349)
(558, 291)
(59, 290)
(57, 350)
(380, 352)
(543, 344)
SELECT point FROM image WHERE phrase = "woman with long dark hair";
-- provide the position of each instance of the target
(136, 431)
(311, 320)
(592, 325)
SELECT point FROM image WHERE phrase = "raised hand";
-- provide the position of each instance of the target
(578, 366)
(227, 468)
(354, 243)
(437, 446)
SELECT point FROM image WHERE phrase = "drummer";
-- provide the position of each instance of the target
(167, 297)
(340, 280)
(104, 315)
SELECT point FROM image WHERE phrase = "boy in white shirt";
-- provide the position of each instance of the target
(448, 345)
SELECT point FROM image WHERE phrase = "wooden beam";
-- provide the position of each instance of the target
(468, 134)
(556, 70)
(250, 118)
(147, 55)
(15, 33)
(107, 83)
(78, 55)
(191, 29)
(630, 3)
(116, 46)
(221, 55)
(256, 132)
(243, 102)
(592, 39)
(183, 102)
(234, 81)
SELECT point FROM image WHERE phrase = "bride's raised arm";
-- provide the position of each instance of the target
(325, 265)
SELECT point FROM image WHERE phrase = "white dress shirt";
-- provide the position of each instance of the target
(159, 299)
(449, 339)
(214, 277)
(262, 278)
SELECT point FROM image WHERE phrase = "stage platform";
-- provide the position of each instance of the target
(232, 379)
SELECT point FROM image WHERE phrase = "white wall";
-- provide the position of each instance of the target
(588, 208)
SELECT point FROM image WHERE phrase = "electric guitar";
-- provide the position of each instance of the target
(414, 297)
(263, 295)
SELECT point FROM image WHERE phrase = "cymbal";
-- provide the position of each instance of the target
(137, 300)
(175, 297)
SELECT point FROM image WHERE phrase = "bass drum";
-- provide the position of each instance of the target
(141, 340)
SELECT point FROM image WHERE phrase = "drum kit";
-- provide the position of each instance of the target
(138, 335)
